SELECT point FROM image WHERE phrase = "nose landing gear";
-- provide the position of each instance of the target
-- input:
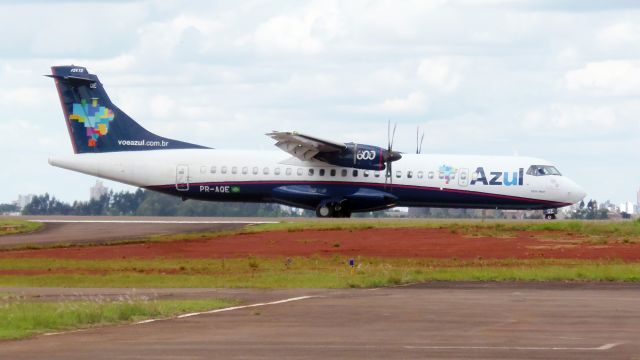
(334, 209)
(550, 214)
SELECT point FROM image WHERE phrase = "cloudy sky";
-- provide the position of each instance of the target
(553, 79)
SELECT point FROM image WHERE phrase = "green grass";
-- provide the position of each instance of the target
(301, 272)
(621, 228)
(10, 226)
(590, 231)
(19, 319)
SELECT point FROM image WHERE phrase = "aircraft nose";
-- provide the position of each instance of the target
(576, 192)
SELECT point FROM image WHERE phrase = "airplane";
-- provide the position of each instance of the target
(333, 178)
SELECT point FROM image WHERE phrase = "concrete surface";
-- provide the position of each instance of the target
(435, 321)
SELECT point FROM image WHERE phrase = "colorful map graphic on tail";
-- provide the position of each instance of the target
(95, 118)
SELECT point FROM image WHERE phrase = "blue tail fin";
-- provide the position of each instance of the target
(95, 124)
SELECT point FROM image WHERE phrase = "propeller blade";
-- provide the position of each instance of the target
(388, 133)
(393, 135)
(355, 150)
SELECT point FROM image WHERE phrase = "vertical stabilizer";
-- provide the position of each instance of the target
(95, 124)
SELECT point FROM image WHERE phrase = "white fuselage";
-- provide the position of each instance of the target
(417, 180)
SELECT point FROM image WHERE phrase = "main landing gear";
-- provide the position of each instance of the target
(334, 209)
(550, 214)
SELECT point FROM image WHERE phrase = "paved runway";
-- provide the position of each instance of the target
(436, 321)
(103, 229)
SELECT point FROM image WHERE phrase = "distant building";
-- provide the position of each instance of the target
(24, 200)
(97, 190)
(628, 207)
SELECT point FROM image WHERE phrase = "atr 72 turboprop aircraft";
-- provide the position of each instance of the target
(332, 178)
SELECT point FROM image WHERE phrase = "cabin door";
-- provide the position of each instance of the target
(182, 177)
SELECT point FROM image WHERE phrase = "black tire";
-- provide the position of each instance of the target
(325, 211)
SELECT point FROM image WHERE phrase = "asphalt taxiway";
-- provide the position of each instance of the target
(104, 229)
(435, 321)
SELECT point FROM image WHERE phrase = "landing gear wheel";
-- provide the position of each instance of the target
(343, 213)
(325, 210)
(550, 216)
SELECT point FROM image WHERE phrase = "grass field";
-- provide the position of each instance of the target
(19, 318)
(591, 231)
(490, 227)
(333, 272)
(299, 272)
(10, 226)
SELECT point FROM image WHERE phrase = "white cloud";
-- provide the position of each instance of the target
(161, 106)
(414, 103)
(620, 34)
(568, 119)
(608, 78)
(304, 34)
(21, 97)
(440, 73)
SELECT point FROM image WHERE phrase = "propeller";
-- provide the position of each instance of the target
(419, 142)
(390, 156)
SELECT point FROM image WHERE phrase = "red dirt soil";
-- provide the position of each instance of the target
(410, 243)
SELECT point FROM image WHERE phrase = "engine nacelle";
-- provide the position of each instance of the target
(360, 156)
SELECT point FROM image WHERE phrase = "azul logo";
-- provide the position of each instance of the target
(505, 178)
(447, 172)
(95, 118)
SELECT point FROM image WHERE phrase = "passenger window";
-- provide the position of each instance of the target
(311, 172)
(265, 171)
(299, 171)
(255, 170)
(288, 171)
(431, 175)
(398, 174)
(343, 172)
(276, 171)
(245, 170)
(440, 175)
(376, 174)
(333, 172)
(321, 171)
(213, 169)
(223, 169)
(355, 173)
(234, 170)
(420, 174)
(409, 174)
(365, 173)
(203, 169)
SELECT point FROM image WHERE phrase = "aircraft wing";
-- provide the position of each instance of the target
(304, 147)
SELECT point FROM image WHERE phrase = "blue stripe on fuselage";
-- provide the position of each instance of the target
(408, 195)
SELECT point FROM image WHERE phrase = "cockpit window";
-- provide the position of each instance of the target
(543, 170)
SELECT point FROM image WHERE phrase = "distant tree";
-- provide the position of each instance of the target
(157, 204)
(125, 202)
(8, 208)
(46, 205)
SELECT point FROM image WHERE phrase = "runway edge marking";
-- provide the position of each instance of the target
(195, 314)
(227, 309)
